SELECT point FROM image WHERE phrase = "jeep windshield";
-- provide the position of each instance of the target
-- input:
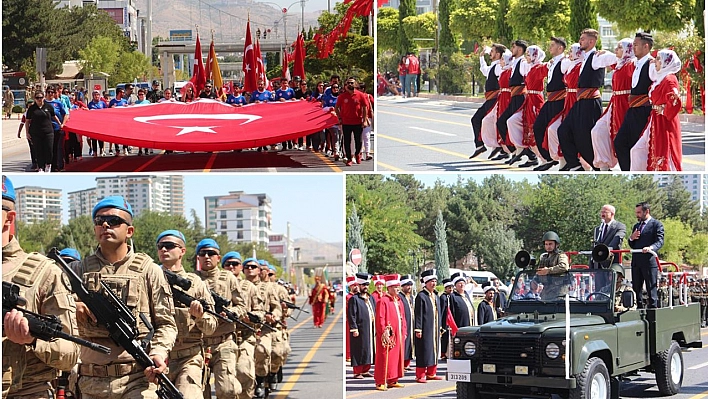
(588, 287)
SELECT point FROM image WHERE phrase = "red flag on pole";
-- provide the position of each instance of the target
(207, 66)
(286, 70)
(451, 323)
(249, 62)
(199, 75)
(260, 67)
(299, 66)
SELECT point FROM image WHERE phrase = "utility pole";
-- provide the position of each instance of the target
(288, 253)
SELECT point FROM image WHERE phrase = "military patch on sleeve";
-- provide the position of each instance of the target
(67, 283)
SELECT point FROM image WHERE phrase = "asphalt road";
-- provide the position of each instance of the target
(16, 158)
(695, 382)
(419, 134)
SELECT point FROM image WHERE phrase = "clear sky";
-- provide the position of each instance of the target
(312, 203)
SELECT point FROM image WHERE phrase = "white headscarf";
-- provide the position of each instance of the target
(575, 54)
(536, 55)
(627, 46)
(508, 58)
(670, 64)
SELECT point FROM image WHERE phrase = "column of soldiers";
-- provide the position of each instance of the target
(184, 327)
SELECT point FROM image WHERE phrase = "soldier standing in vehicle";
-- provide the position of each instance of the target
(141, 285)
(620, 287)
(552, 262)
(663, 293)
(30, 365)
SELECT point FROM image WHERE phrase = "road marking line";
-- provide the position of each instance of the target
(692, 161)
(414, 396)
(115, 160)
(698, 366)
(432, 131)
(328, 161)
(424, 118)
(290, 330)
(288, 386)
(453, 153)
(700, 395)
(387, 166)
(432, 111)
(148, 163)
(210, 163)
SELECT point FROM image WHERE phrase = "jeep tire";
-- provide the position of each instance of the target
(669, 369)
(593, 382)
(467, 390)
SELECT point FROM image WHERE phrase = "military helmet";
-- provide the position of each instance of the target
(551, 236)
(617, 268)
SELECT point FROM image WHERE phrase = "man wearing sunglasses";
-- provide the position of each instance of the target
(186, 357)
(353, 110)
(223, 343)
(141, 285)
(30, 365)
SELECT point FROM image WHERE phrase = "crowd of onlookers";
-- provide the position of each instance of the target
(51, 148)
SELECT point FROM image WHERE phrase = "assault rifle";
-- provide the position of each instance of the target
(44, 327)
(221, 306)
(291, 305)
(114, 315)
(256, 319)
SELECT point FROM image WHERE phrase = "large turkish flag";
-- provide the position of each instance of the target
(204, 125)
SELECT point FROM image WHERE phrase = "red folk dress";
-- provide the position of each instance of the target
(619, 103)
(504, 99)
(665, 151)
(533, 102)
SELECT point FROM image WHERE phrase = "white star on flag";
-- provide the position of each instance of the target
(192, 129)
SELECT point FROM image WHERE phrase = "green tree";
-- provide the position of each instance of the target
(474, 20)
(406, 8)
(696, 253)
(442, 261)
(582, 16)
(497, 247)
(355, 238)
(387, 29)
(537, 20)
(453, 75)
(131, 66)
(503, 32)
(698, 21)
(668, 15)
(420, 26)
(101, 55)
(77, 234)
(447, 45)
(38, 236)
(675, 244)
(679, 205)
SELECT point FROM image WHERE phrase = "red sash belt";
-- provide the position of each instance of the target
(557, 95)
(518, 90)
(587, 93)
(639, 100)
(491, 94)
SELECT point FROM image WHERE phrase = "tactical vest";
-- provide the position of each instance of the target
(129, 288)
(644, 82)
(219, 283)
(187, 330)
(590, 77)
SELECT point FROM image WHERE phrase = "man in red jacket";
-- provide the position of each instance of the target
(352, 109)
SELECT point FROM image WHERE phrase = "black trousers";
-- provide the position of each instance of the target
(58, 155)
(514, 105)
(348, 130)
(477, 120)
(628, 134)
(96, 145)
(549, 110)
(43, 148)
(574, 131)
(646, 275)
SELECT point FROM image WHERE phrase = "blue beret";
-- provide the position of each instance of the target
(114, 201)
(230, 255)
(175, 233)
(262, 262)
(71, 253)
(271, 267)
(207, 243)
(8, 190)
(250, 260)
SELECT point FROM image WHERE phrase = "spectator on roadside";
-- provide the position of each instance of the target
(8, 101)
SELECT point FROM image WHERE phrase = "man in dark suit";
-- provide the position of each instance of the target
(611, 232)
(647, 235)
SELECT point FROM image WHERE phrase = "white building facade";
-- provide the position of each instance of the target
(242, 217)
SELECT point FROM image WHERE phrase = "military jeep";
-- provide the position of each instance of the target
(561, 335)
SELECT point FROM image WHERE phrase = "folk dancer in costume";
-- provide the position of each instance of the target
(570, 78)
(519, 70)
(318, 300)
(659, 148)
(556, 91)
(427, 329)
(521, 123)
(361, 312)
(605, 130)
(406, 296)
(574, 131)
(391, 330)
(491, 93)
(490, 134)
(639, 106)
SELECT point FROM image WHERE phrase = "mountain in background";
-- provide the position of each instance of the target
(312, 250)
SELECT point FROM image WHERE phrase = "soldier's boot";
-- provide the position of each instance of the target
(273, 381)
(260, 391)
(280, 374)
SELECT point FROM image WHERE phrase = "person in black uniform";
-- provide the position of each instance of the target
(444, 304)
(461, 303)
(485, 310)
(574, 132)
(639, 106)
(427, 329)
(406, 297)
(39, 128)
(517, 84)
(491, 92)
(361, 312)
(647, 235)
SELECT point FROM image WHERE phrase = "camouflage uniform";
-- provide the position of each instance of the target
(618, 298)
(557, 263)
(187, 355)
(281, 340)
(263, 348)
(142, 286)
(27, 370)
(223, 345)
(246, 366)
(663, 295)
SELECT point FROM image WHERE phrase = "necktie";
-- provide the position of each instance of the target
(604, 231)
(641, 226)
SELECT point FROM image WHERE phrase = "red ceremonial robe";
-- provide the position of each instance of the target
(389, 361)
(318, 300)
(533, 101)
(621, 86)
(346, 334)
(504, 99)
(665, 139)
